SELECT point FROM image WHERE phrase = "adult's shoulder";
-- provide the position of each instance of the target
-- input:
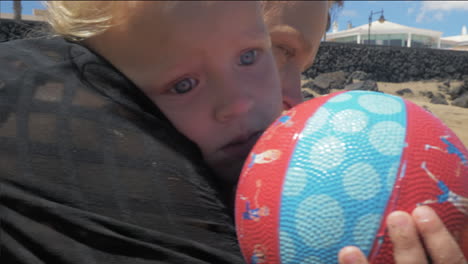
(29, 63)
(41, 51)
(92, 172)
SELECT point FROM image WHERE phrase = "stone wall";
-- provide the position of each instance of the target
(390, 64)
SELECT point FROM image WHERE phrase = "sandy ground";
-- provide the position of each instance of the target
(456, 118)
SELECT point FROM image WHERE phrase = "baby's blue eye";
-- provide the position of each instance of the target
(248, 58)
(184, 86)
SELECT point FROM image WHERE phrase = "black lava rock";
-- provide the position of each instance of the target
(461, 101)
(368, 85)
(439, 99)
(427, 94)
(390, 64)
(404, 91)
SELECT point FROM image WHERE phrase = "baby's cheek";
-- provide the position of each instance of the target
(269, 68)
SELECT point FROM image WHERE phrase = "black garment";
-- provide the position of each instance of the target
(91, 172)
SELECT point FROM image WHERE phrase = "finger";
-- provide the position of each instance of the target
(440, 244)
(407, 247)
(351, 255)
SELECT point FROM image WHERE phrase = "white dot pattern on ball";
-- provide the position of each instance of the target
(364, 239)
(319, 208)
(297, 182)
(340, 98)
(287, 247)
(310, 216)
(350, 121)
(361, 181)
(319, 119)
(380, 104)
(384, 135)
(327, 153)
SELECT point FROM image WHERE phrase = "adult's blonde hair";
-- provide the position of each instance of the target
(79, 20)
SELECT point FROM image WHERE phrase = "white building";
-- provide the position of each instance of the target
(459, 42)
(388, 33)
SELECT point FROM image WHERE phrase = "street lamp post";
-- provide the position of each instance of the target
(381, 20)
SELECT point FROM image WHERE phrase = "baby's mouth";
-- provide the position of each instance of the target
(242, 145)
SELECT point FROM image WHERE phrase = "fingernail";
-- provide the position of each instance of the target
(423, 214)
(351, 256)
(398, 220)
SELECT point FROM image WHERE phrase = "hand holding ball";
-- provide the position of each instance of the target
(327, 173)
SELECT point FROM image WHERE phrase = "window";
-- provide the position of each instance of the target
(371, 42)
(350, 39)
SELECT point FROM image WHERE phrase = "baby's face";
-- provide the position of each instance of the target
(211, 71)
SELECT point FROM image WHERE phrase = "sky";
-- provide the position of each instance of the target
(445, 16)
(7, 6)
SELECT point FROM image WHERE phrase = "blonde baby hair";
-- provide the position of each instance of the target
(79, 20)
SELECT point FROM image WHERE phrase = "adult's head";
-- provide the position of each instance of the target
(296, 28)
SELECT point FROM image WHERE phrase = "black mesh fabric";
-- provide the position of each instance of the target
(91, 172)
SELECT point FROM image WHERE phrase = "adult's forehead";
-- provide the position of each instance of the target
(303, 21)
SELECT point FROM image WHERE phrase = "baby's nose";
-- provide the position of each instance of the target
(235, 96)
(233, 107)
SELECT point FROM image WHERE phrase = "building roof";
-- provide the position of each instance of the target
(460, 40)
(386, 27)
